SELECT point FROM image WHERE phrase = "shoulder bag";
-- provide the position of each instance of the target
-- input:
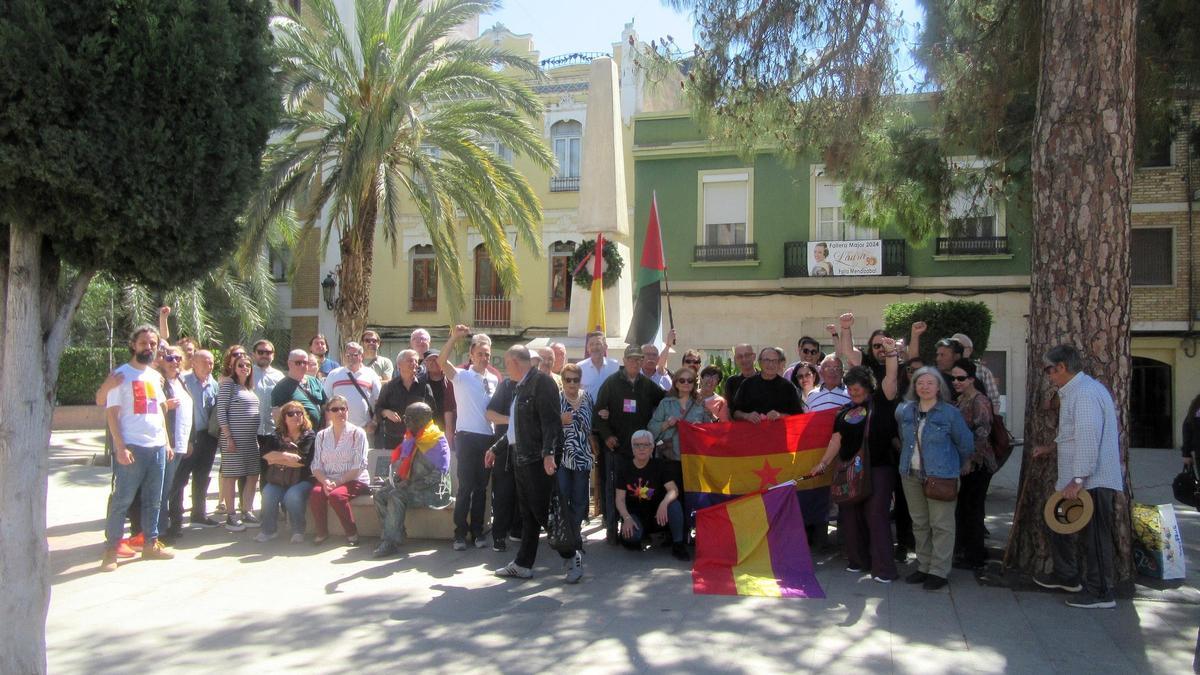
(937, 489)
(851, 482)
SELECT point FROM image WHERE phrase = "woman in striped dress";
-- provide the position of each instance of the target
(238, 415)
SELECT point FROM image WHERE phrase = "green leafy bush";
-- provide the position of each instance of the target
(81, 371)
(943, 318)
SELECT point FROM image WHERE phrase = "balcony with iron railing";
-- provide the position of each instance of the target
(726, 253)
(491, 311)
(971, 246)
(572, 59)
(795, 258)
(564, 184)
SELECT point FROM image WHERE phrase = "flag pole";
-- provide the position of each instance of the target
(666, 280)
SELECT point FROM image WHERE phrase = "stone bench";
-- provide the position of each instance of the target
(420, 523)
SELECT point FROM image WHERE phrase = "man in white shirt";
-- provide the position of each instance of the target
(473, 433)
(832, 394)
(597, 367)
(136, 414)
(651, 369)
(359, 384)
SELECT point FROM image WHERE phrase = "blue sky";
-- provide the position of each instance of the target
(565, 26)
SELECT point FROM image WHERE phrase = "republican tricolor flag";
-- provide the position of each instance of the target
(755, 545)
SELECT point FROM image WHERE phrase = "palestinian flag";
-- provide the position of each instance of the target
(646, 326)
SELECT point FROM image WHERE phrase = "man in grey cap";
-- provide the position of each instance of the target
(624, 405)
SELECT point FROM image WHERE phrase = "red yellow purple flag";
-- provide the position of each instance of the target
(754, 545)
(727, 459)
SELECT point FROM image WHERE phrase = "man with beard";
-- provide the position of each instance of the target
(319, 347)
(136, 419)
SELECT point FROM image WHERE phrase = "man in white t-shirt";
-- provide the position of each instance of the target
(473, 433)
(597, 367)
(359, 384)
(136, 413)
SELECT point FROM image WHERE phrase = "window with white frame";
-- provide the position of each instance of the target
(567, 139)
(973, 215)
(831, 221)
(726, 204)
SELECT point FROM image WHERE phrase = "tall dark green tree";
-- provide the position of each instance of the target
(130, 138)
(1043, 91)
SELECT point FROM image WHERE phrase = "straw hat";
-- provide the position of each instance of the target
(1068, 516)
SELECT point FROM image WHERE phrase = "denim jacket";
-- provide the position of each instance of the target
(945, 446)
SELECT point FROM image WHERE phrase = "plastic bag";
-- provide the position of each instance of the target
(1157, 544)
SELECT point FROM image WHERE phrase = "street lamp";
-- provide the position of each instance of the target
(328, 288)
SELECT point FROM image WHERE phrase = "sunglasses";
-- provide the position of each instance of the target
(264, 352)
(171, 358)
(339, 409)
(571, 380)
(684, 381)
(371, 340)
(960, 378)
(238, 355)
(294, 413)
(808, 351)
(243, 365)
(692, 361)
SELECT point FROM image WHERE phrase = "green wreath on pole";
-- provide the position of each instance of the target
(612, 260)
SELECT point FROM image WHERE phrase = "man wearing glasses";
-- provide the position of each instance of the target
(264, 377)
(810, 352)
(301, 387)
(382, 365)
(766, 396)
(359, 385)
(1089, 458)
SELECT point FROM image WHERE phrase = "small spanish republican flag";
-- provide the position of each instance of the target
(754, 545)
(596, 307)
(727, 459)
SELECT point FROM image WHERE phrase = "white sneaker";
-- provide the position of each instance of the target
(514, 571)
(297, 539)
(263, 537)
(574, 568)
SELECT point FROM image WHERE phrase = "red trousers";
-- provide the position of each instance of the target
(339, 499)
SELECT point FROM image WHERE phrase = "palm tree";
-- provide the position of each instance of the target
(395, 113)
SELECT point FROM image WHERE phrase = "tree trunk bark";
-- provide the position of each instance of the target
(354, 274)
(1082, 178)
(24, 437)
(36, 321)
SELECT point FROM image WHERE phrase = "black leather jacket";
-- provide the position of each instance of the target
(539, 423)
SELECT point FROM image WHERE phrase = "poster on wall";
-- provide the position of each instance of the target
(845, 258)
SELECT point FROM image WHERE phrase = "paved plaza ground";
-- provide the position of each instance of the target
(227, 604)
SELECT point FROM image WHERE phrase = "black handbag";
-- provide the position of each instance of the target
(1186, 485)
(560, 534)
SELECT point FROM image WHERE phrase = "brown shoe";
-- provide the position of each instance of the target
(109, 563)
(156, 552)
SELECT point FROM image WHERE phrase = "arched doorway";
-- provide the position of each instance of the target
(492, 308)
(1150, 421)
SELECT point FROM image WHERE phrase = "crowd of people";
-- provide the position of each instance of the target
(601, 435)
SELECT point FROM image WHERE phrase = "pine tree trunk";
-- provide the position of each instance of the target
(1082, 177)
(354, 277)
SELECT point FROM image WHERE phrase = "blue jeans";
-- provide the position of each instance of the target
(295, 500)
(674, 522)
(573, 487)
(169, 470)
(146, 472)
